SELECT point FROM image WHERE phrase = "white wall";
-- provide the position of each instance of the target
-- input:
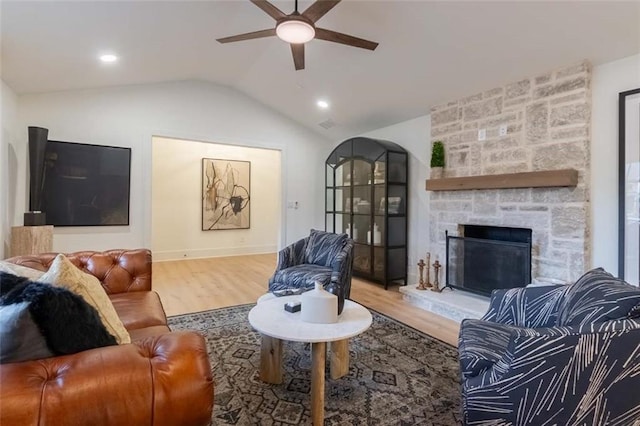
(8, 108)
(413, 135)
(176, 203)
(608, 81)
(129, 116)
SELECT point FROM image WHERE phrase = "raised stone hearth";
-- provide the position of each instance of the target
(453, 304)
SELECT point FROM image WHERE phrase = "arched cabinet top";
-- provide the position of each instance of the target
(368, 149)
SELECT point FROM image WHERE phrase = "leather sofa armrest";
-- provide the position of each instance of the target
(161, 380)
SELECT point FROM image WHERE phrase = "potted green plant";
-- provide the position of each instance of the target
(437, 160)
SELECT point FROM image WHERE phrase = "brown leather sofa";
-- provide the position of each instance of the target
(161, 378)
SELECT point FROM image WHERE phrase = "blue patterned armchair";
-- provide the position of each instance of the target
(322, 256)
(558, 355)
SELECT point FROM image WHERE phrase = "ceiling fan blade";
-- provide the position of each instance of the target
(270, 9)
(342, 38)
(318, 9)
(248, 36)
(298, 55)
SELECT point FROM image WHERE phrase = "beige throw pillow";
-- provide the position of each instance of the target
(19, 270)
(63, 273)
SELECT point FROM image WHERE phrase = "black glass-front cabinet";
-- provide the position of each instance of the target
(366, 197)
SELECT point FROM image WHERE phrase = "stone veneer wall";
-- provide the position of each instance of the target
(548, 118)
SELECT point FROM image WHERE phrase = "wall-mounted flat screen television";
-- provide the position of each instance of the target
(86, 185)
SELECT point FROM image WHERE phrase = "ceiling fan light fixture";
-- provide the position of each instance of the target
(109, 58)
(295, 31)
(298, 28)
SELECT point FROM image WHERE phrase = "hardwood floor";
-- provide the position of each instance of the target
(200, 284)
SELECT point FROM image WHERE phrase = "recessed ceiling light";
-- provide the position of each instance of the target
(322, 104)
(108, 58)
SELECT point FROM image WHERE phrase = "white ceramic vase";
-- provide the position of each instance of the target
(319, 306)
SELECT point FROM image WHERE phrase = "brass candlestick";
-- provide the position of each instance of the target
(421, 266)
(436, 281)
(427, 283)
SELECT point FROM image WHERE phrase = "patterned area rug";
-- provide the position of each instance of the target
(397, 376)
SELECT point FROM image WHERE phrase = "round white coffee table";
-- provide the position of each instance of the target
(275, 325)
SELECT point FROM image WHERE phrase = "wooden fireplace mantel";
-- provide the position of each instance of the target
(543, 179)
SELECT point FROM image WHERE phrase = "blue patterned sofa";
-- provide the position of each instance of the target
(558, 355)
(322, 256)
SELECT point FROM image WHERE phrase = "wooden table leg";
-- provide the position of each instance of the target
(271, 360)
(339, 361)
(318, 357)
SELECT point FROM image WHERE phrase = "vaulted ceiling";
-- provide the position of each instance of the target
(429, 52)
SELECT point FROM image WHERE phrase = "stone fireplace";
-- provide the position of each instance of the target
(547, 120)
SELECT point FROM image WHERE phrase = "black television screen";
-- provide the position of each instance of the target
(86, 185)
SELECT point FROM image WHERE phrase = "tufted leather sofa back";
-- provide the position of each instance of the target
(118, 270)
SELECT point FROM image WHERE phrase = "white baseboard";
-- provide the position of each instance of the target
(160, 256)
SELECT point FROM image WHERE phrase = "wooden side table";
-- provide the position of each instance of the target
(31, 240)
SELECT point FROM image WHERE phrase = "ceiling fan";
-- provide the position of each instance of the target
(298, 28)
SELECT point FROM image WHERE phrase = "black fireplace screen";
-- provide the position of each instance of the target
(482, 265)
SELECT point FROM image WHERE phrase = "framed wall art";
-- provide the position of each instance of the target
(226, 192)
(629, 186)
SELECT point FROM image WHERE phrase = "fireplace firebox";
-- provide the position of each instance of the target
(486, 258)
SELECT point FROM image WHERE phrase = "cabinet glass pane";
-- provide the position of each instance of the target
(380, 199)
(341, 200)
(362, 259)
(328, 223)
(361, 172)
(329, 200)
(364, 148)
(379, 171)
(343, 224)
(378, 234)
(397, 231)
(397, 263)
(347, 204)
(397, 167)
(396, 200)
(344, 150)
(362, 199)
(343, 174)
(330, 171)
(378, 263)
(361, 228)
